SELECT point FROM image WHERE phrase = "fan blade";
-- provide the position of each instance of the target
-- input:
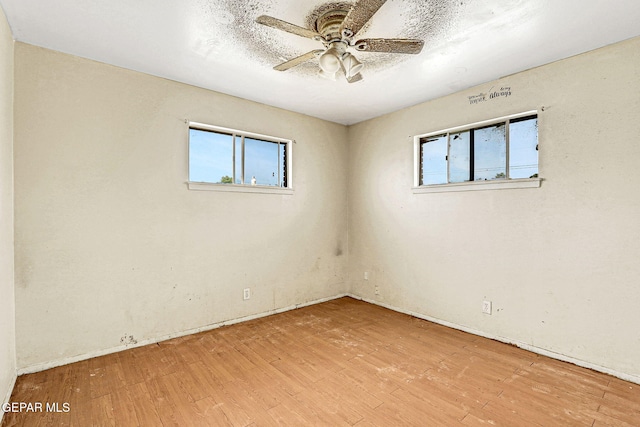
(298, 60)
(390, 45)
(359, 15)
(286, 26)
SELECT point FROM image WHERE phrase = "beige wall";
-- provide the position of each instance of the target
(110, 243)
(560, 262)
(7, 304)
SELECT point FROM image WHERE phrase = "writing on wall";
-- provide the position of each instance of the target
(502, 92)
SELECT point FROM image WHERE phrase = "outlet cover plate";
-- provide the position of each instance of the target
(486, 307)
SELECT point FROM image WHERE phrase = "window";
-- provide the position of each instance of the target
(235, 158)
(501, 149)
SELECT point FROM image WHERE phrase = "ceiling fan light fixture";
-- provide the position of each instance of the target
(327, 75)
(351, 65)
(330, 61)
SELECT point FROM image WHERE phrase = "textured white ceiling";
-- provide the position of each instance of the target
(216, 44)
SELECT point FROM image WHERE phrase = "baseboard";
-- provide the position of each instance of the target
(558, 356)
(67, 360)
(7, 397)
(544, 352)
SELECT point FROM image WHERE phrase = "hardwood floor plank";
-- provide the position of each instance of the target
(321, 412)
(212, 413)
(421, 396)
(455, 392)
(546, 390)
(495, 418)
(102, 412)
(350, 391)
(541, 405)
(624, 413)
(370, 378)
(222, 372)
(124, 409)
(604, 419)
(612, 423)
(349, 342)
(397, 412)
(296, 369)
(283, 416)
(143, 405)
(271, 387)
(263, 350)
(131, 372)
(580, 380)
(250, 402)
(334, 401)
(625, 394)
(430, 407)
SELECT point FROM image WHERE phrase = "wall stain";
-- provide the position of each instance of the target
(128, 340)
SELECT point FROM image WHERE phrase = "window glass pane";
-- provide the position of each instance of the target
(238, 164)
(260, 162)
(459, 156)
(210, 156)
(490, 153)
(434, 160)
(523, 148)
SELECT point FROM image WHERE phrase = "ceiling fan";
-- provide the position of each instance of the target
(337, 29)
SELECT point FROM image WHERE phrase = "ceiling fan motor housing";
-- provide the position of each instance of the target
(329, 23)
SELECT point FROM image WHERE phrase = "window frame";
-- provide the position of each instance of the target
(245, 186)
(472, 185)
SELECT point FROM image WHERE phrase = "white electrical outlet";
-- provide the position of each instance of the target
(247, 294)
(366, 275)
(377, 290)
(486, 307)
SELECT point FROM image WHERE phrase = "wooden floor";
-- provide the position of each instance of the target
(340, 363)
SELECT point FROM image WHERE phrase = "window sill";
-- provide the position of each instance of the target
(498, 184)
(231, 188)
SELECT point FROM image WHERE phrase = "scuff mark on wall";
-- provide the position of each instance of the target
(128, 340)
